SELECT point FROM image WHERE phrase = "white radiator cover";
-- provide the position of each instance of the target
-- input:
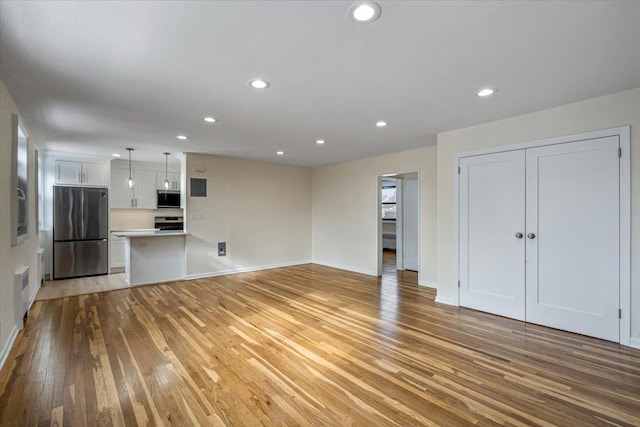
(21, 294)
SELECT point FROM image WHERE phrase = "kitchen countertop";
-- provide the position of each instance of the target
(149, 233)
(134, 229)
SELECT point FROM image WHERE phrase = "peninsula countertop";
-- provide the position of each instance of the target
(149, 233)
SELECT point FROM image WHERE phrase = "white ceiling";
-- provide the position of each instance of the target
(97, 77)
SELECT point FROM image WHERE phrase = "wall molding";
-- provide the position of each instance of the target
(33, 297)
(634, 342)
(7, 348)
(428, 284)
(347, 268)
(244, 270)
(446, 300)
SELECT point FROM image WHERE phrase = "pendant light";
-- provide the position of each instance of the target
(166, 170)
(130, 174)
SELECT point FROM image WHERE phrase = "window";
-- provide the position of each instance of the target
(389, 199)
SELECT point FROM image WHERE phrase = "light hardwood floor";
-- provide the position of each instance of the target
(305, 345)
(83, 285)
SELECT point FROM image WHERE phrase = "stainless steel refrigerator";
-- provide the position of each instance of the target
(80, 232)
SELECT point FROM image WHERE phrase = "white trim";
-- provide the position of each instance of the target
(625, 235)
(347, 268)
(378, 228)
(633, 342)
(244, 270)
(428, 284)
(624, 134)
(400, 223)
(399, 176)
(7, 348)
(456, 228)
(446, 300)
(33, 298)
(619, 131)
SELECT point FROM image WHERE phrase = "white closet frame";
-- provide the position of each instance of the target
(624, 135)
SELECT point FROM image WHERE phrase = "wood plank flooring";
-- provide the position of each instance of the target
(305, 345)
(53, 289)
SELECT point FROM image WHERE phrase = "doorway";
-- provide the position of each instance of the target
(398, 224)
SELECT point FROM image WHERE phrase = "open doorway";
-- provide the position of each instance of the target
(398, 224)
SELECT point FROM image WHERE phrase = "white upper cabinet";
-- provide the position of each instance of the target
(121, 196)
(79, 173)
(146, 196)
(142, 196)
(172, 177)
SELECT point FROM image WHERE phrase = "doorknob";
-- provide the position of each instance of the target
(519, 235)
(531, 236)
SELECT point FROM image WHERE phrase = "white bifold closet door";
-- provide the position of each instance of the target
(492, 209)
(564, 271)
(573, 209)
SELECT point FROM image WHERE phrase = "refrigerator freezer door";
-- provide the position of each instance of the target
(82, 258)
(67, 213)
(95, 214)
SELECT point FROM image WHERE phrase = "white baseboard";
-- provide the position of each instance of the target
(428, 284)
(446, 300)
(7, 348)
(347, 268)
(634, 342)
(244, 270)
(33, 297)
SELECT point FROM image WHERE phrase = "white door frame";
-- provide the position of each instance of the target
(399, 223)
(399, 212)
(624, 135)
(403, 213)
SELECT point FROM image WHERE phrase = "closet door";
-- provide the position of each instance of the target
(492, 219)
(573, 280)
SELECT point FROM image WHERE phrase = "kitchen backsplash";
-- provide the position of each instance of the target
(131, 219)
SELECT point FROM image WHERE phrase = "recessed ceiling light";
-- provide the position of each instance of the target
(182, 137)
(280, 153)
(259, 84)
(365, 11)
(210, 119)
(115, 155)
(486, 92)
(381, 124)
(320, 141)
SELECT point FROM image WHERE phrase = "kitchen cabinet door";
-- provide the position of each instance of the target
(117, 252)
(172, 177)
(68, 172)
(95, 174)
(121, 195)
(145, 193)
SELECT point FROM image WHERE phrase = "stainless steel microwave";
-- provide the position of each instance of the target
(168, 199)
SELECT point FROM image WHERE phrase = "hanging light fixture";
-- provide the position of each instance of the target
(130, 174)
(166, 170)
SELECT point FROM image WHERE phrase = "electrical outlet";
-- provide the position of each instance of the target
(222, 248)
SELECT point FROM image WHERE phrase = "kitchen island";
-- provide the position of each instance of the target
(153, 256)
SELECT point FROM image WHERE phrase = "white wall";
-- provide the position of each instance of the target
(262, 210)
(345, 211)
(25, 254)
(600, 113)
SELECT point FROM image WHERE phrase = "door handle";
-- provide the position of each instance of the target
(519, 235)
(531, 236)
